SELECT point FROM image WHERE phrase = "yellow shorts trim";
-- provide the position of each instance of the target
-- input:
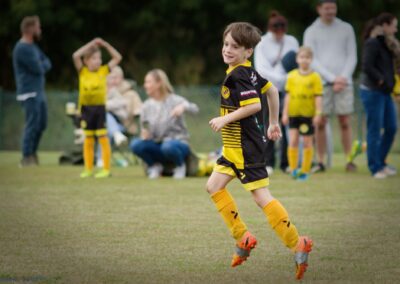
(224, 170)
(100, 132)
(247, 186)
(89, 132)
(256, 184)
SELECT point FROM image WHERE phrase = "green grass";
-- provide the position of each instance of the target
(57, 228)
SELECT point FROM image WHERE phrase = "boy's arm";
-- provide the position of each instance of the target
(318, 110)
(77, 55)
(116, 57)
(245, 111)
(285, 114)
(274, 131)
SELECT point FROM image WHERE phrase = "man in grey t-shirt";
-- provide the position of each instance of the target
(335, 57)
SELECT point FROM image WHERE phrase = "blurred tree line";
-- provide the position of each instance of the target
(181, 36)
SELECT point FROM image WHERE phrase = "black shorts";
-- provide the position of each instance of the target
(93, 120)
(251, 178)
(303, 124)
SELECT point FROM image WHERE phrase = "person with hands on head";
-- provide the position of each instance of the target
(244, 96)
(302, 112)
(92, 100)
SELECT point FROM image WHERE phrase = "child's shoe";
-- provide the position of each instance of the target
(301, 255)
(103, 174)
(243, 248)
(86, 173)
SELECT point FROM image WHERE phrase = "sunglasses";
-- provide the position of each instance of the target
(278, 25)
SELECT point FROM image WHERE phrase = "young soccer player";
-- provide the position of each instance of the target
(302, 111)
(244, 95)
(92, 99)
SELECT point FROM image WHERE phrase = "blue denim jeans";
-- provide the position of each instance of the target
(35, 123)
(381, 114)
(169, 151)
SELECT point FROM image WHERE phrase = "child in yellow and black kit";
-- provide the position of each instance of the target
(92, 100)
(244, 97)
(302, 111)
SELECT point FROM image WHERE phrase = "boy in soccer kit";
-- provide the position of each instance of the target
(302, 111)
(244, 94)
(92, 100)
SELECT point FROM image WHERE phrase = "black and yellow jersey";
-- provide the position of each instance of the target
(93, 86)
(244, 141)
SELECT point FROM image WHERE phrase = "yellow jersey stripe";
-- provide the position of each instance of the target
(250, 101)
(266, 87)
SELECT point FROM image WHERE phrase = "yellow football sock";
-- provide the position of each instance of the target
(227, 208)
(88, 152)
(279, 221)
(105, 152)
(307, 160)
(293, 157)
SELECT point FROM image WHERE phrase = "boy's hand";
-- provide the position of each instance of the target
(217, 123)
(317, 120)
(285, 119)
(274, 132)
(99, 41)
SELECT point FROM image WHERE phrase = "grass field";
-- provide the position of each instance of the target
(57, 228)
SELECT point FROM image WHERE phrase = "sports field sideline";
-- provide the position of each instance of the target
(57, 228)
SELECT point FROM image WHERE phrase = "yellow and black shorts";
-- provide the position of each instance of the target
(93, 120)
(251, 178)
(303, 124)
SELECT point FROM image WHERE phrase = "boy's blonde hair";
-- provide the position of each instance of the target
(28, 22)
(160, 76)
(307, 50)
(92, 50)
(245, 34)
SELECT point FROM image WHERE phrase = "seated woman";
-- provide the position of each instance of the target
(164, 136)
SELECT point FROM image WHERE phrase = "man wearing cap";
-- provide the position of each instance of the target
(335, 57)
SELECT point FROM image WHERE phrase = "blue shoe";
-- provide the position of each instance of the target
(295, 173)
(302, 176)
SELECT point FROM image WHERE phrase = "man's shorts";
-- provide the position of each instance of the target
(338, 103)
(93, 120)
(251, 178)
(303, 124)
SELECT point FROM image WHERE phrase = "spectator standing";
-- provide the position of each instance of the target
(268, 61)
(30, 66)
(377, 82)
(335, 57)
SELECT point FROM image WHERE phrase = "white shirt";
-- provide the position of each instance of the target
(266, 53)
(334, 48)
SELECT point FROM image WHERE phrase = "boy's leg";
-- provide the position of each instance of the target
(287, 232)
(105, 151)
(308, 153)
(227, 208)
(293, 149)
(88, 155)
(226, 205)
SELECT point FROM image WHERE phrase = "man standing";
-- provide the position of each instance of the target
(30, 65)
(335, 57)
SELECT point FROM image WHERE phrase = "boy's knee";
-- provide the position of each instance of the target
(211, 188)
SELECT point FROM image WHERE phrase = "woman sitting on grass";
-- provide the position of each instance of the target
(164, 136)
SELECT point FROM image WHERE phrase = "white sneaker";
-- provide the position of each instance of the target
(154, 171)
(120, 139)
(389, 171)
(99, 163)
(180, 172)
(270, 170)
(380, 175)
